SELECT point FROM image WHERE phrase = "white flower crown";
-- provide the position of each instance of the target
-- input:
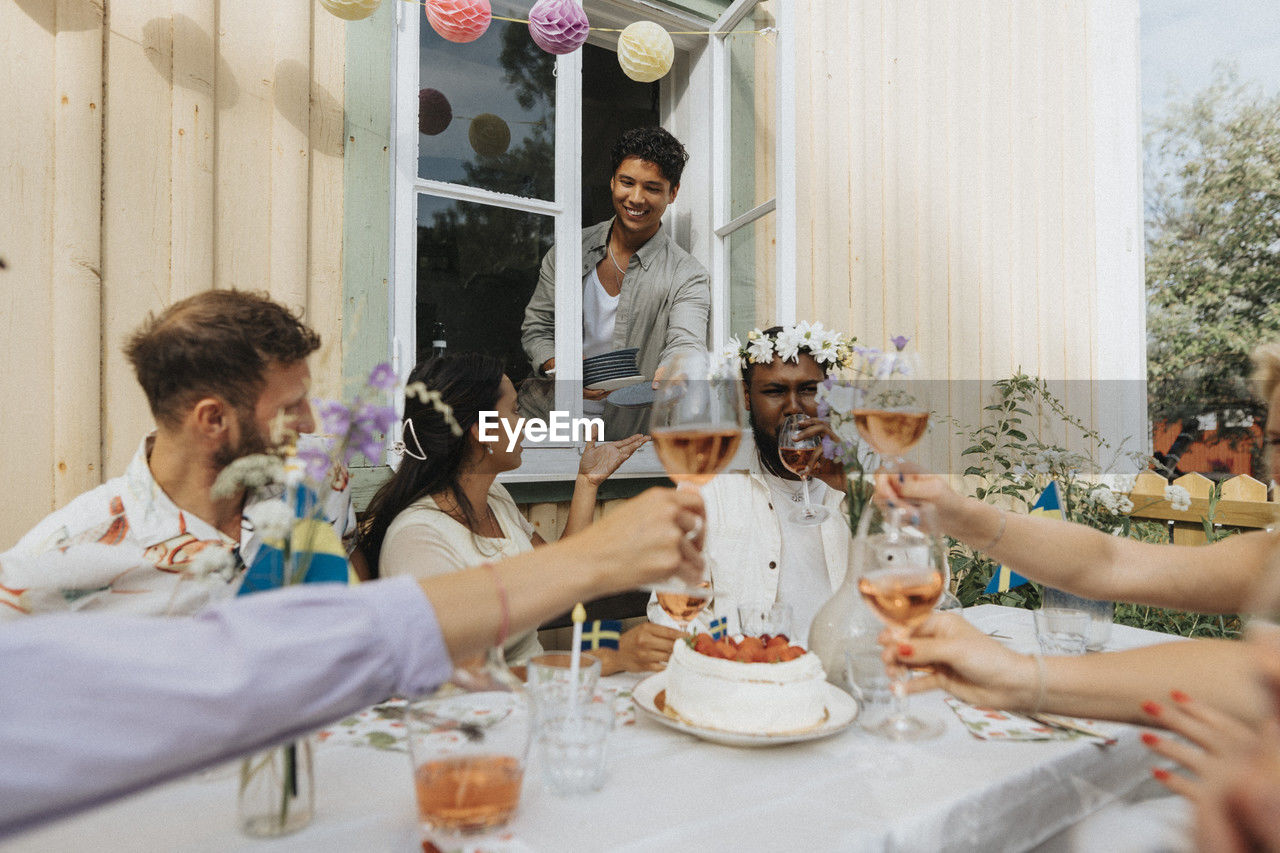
(826, 346)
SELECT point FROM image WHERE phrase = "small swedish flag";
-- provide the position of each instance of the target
(719, 627)
(1048, 505)
(601, 634)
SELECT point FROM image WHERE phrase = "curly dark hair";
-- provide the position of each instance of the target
(218, 343)
(655, 145)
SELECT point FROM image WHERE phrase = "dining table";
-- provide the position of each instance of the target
(668, 790)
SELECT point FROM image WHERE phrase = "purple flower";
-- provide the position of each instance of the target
(382, 377)
(899, 341)
(381, 417)
(315, 462)
(335, 418)
(824, 409)
(829, 448)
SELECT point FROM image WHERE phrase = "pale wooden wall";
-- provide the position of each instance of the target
(948, 187)
(154, 148)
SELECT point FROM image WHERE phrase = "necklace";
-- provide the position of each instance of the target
(608, 248)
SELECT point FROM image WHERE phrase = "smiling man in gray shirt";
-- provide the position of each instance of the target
(639, 288)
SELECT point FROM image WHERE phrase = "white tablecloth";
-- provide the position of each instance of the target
(668, 790)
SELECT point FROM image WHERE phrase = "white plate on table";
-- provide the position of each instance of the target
(842, 710)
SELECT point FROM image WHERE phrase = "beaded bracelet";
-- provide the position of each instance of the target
(505, 619)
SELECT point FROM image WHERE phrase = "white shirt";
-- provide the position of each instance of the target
(803, 581)
(126, 546)
(423, 541)
(599, 316)
(744, 544)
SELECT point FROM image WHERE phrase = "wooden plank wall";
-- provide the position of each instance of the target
(946, 187)
(157, 148)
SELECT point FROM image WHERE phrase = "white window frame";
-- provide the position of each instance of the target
(783, 203)
(701, 222)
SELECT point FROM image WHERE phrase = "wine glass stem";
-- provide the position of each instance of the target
(804, 488)
(898, 677)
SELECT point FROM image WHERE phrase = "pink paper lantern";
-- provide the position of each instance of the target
(434, 112)
(558, 26)
(459, 21)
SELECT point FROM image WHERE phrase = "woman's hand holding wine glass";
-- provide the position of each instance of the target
(903, 578)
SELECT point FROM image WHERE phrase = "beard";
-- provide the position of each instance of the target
(251, 441)
(767, 447)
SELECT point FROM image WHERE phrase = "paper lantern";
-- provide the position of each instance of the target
(489, 135)
(434, 112)
(558, 26)
(351, 10)
(645, 51)
(459, 21)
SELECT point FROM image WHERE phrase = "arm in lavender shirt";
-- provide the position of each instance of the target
(95, 706)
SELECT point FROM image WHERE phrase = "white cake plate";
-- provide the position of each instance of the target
(842, 710)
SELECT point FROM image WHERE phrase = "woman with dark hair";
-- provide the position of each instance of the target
(443, 509)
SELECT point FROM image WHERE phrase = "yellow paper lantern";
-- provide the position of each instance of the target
(489, 135)
(645, 51)
(459, 21)
(351, 10)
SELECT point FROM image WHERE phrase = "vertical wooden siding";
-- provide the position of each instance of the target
(161, 147)
(947, 186)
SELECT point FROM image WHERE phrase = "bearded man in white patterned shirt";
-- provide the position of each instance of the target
(221, 370)
(759, 555)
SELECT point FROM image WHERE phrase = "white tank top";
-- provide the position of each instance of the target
(599, 314)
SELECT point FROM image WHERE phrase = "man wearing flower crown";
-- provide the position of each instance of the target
(225, 372)
(639, 289)
(758, 552)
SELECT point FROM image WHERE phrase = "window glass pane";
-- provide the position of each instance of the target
(477, 267)
(486, 110)
(751, 277)
(751, 111)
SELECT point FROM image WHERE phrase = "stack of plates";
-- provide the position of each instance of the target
(611, 370)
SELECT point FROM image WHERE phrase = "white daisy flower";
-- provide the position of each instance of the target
(788, 345)
(1178, 497)
(271, 519)
(760, 350)
(212, 562)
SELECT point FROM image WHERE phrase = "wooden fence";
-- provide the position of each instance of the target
(1242, 503)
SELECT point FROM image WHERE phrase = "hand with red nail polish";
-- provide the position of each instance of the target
(1213, 753)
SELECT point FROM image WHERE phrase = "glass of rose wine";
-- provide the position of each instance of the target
(684, 607)
(893, 415)
(697, 424)
(903, 577)
(800, 455)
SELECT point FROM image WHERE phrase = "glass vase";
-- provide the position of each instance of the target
(844, 631)
(277, 790)
(467, 742)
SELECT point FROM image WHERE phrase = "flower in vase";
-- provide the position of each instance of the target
(272, 519)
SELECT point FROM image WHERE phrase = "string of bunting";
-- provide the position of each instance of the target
(645, 49)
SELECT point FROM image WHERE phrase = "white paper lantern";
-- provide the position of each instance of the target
(351, 10)
(645, 51)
